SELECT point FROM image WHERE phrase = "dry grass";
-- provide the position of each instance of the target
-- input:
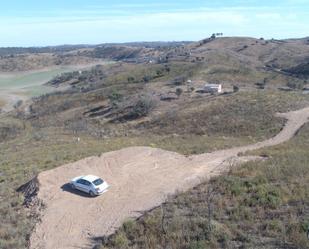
(252, 200)
(37, 149)
(260, 204)
(245, 114)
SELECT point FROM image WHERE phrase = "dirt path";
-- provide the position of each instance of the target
(140, 178)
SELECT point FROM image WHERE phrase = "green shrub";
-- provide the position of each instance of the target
(179, 91)
(114, 98)
(130, 229)
(121, 240)
(142, 107)
(265, 195)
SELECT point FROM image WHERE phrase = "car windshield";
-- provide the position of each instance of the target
(98, 181)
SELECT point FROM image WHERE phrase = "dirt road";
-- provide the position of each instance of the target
(140, 178)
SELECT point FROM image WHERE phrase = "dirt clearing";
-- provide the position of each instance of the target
(140, 178)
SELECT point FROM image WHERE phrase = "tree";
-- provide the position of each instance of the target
(235, 89)
(115, 98)
(131, 79)
(167, 68)
(142, 106)
(147, 78)
(179, 92)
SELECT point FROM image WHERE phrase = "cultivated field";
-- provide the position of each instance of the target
(15, 86)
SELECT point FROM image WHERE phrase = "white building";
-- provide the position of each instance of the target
(213, 88)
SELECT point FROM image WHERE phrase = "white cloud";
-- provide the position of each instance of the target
(97, 26)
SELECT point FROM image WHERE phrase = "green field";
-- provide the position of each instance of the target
(21, 85)
(30, 83)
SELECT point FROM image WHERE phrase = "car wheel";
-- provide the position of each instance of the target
(91, 193)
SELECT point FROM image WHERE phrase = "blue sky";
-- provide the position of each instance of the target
(54, 22)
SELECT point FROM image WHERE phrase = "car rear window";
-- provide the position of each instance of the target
(98, 181)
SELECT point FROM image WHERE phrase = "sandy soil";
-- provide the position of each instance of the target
(140, 178)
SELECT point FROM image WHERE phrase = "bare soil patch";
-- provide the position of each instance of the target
(140, 179)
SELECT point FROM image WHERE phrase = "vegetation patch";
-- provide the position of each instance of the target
(240, 114)
(10, 128)
(134, 108)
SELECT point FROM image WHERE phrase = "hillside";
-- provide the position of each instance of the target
(137, 97)
(31, 62)
(162, 172)
(152, 95)
(17, 59)
(261, 204)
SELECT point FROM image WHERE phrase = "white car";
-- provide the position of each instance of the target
(89, 184)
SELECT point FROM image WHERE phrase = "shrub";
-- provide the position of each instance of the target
(142, 107)
(121, 240)
(133, 108)
(147, 78)
(129, 228)
(179, 81)
(131, 79)
(266, 195)
(235, 89)
(179, 91)
(115, 98)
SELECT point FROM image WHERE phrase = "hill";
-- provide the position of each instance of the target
(153, 96)
(16, 59)
(135, 97)
(162, 173)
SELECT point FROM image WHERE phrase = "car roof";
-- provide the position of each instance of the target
(90, 178)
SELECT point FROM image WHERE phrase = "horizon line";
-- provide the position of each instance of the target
(148, 41)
